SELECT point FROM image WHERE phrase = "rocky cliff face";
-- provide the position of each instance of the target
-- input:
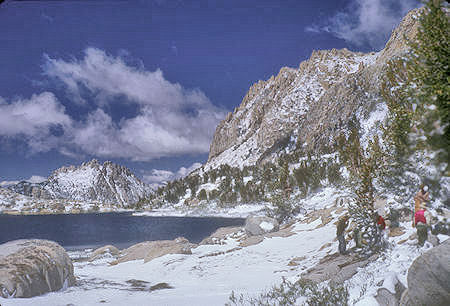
(92, 181)
(29, 189)
(310, 106)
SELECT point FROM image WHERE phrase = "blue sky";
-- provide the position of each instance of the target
(144, 83)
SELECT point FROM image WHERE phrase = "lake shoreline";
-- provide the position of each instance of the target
(237, 211)
(122, 229)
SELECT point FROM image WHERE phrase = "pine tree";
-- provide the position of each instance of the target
(429, 68)
(417, 90)
(364, 165)
(283, 175)
(202, 195)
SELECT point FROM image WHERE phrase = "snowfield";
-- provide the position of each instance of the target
(212, 272)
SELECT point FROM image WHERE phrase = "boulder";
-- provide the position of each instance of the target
(336, 268)
(391, 291)
(152, 249)
(429, 278)
(385, 297)
(33, 267)
(220, 234)
(259, 225)
(107, 250)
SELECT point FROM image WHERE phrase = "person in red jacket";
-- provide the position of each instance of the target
(381, 225)
(422, 220)
(380, 222)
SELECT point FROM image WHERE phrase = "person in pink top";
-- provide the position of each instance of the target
(422, 219)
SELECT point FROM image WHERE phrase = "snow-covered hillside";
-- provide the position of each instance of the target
(15, 203)
(108, 183)
(89, 187)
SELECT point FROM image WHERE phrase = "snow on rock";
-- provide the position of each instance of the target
(91, 186)
(109, 183)
(311, 105)
(258, 225)
(267, 226)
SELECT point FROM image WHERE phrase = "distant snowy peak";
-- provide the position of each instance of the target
(106, 183)
(109, 183)
(310, 105)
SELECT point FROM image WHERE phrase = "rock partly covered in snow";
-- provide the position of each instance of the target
(35, 190)
(429, 278)
(220, 234)
(336, 268)
(259, 225)
(390, 292)
(152, 249)
(107, 250)
(92, 181)
(33, 267)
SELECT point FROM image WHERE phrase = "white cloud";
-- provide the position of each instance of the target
(36, 179)
(157, 177)
(366, 21)
(34, 120)
(8, 183)
(33, 179)
(168, 120)
(171, 120)
(182, 172)
(313, 29)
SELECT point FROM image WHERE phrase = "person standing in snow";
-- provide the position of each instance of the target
(422, 196)
(422, 219)
(381, 226)
(340, 233)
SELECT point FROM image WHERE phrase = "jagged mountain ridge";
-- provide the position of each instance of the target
(91, 181)
(311, 105)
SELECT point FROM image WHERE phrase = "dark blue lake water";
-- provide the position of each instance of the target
(120, 229)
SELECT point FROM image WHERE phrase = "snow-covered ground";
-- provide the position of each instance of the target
(239, 211)
(212, 272)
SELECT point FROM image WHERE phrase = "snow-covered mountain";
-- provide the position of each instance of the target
(309, 106)
(300, 120)
(92, 181)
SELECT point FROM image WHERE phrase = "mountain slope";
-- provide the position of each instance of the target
(92, 181)
(309, 106)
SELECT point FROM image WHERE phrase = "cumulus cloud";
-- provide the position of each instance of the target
(33, 179)
(37, 120)
(157, 177)
(168, 119)
(171, 120)
(366, 22)
(8, 183)
(36, 179)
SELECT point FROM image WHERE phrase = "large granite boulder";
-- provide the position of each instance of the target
(33, 267)
(336, 268)
(429, 278)
(105, 251)
(259, 225)
(221, 234)
(390, 292)
(149, 250)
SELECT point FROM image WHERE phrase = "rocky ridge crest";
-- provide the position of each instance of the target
(92, 181)
(311, 105)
